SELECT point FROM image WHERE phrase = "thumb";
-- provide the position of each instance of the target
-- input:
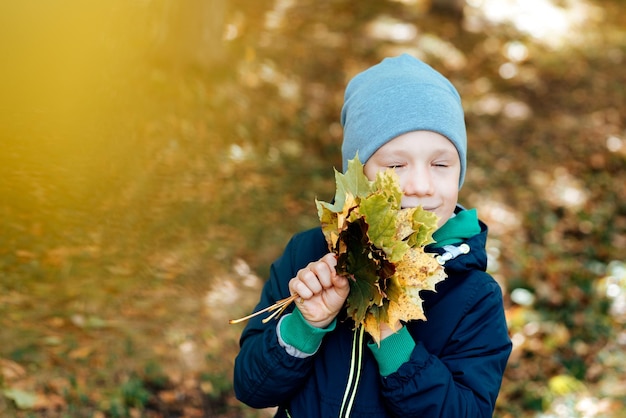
(341, 283)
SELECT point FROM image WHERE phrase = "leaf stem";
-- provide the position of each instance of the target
(279, 307)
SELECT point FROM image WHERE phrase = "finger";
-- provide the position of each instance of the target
(297, 287)
(324, 273)
(326, 270)
(309, 277)
(331, 260)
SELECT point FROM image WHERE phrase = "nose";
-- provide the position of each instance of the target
(418, 182)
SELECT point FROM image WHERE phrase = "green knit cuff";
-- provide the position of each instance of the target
(394, 351)
(298, 333)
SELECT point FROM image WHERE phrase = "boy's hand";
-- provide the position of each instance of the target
(386, 330)
(322, 291)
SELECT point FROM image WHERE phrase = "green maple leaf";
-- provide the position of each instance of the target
(424, 224)
(351, 187)
(387, 183)
(382, 217)
(353, 182)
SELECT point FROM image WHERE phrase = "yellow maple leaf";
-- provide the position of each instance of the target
(333, 220)
(404, 226)
(372, 327)
(420, 269)
(416, 271)
(407, 307)
(349, 205)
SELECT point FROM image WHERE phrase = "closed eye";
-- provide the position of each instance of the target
(441, 163)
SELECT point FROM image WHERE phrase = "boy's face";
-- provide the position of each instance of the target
(428, 166)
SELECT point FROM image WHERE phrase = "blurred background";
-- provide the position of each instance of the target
(156, 156)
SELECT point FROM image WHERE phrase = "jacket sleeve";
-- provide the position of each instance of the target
(265, 374)
(464, 379)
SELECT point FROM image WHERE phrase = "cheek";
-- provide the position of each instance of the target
(370, 172)
(450, 196)
(445, 213)
(401, 180)
(448, 185)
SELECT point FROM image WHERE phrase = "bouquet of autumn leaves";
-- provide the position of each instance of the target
(379, 247)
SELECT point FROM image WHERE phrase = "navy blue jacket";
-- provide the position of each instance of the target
(454, 371)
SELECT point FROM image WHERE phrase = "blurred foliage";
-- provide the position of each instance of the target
(156, 156)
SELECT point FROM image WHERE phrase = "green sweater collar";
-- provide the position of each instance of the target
(457, 229)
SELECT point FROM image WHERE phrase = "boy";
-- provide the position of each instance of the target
(404, 115)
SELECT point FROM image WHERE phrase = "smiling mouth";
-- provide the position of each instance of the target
(426, 208)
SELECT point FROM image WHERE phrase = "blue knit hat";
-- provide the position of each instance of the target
(396, 96)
